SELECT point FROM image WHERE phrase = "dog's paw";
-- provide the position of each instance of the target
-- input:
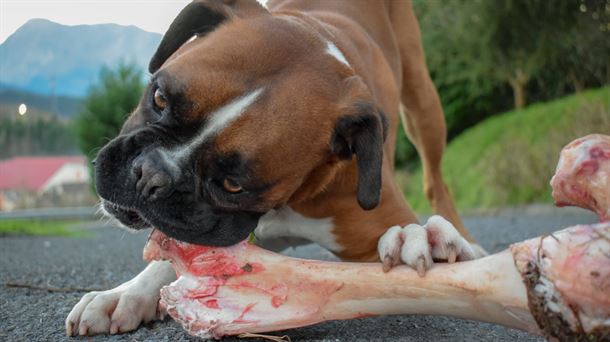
(418, 246)
(123, 308)
(114, 311)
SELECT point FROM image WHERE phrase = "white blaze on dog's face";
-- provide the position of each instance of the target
(255, 113)
(218, 120)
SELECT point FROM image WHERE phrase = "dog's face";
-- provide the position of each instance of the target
(248, 117)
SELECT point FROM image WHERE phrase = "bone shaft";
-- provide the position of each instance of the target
(488, 289)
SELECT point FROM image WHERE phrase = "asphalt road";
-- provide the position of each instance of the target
(109, 256)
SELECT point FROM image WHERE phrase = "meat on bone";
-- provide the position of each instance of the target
(582, 175)
(557, 286)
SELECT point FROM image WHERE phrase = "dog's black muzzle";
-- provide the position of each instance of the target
(143, 187)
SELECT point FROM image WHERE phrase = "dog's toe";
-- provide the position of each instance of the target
(131, 311)
(389, 246)
(74, 318)
(94, 318)
(408, 245)
(446, 242)
(415, 251)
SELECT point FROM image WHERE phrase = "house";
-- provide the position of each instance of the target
(43, 182)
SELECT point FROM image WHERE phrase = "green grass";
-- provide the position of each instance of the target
(510, 158)
(39, 228)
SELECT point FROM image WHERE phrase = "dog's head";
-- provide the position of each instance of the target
(250, 115)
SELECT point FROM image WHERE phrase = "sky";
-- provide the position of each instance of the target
(149, 15)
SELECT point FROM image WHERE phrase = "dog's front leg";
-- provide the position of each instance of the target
(123, 308)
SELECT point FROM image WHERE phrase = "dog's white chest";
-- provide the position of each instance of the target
(287, 222)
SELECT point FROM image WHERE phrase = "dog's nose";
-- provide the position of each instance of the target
(152, 181)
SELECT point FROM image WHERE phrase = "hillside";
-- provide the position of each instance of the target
(48, 58)
(510, 158)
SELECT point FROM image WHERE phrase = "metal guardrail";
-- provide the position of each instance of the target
(83, 213)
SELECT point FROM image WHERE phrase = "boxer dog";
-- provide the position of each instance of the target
(281, 121)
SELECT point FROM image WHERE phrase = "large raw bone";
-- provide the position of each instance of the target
(557, 286)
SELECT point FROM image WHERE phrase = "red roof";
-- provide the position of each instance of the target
(31, 173)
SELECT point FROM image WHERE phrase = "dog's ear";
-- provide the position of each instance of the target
(362, 131)
(199, 18)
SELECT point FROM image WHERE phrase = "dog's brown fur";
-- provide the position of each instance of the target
(390, 59)
(381, 40)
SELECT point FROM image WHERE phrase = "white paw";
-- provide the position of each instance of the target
(417, 246)
(121, 309)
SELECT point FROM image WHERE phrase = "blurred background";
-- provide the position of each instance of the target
(518, 79)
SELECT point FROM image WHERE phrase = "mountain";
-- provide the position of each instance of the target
(53, 59)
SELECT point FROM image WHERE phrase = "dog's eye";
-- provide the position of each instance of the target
(159, 100)
(231, 186)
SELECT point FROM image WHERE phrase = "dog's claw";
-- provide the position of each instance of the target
(114, 328)
(388, 262)
(161, 311)
(69, 328)
(421, 266)
(83, 329)
(452, 253)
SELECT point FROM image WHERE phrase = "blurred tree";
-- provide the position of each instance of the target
(582, 48)
(515, 39)
(485, 42)
(106, 107)
(35, 136)
(486, 57)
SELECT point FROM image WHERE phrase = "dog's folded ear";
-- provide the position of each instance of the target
(362, 131)
(199, 18)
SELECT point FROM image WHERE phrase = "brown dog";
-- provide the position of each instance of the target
(284, 121)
